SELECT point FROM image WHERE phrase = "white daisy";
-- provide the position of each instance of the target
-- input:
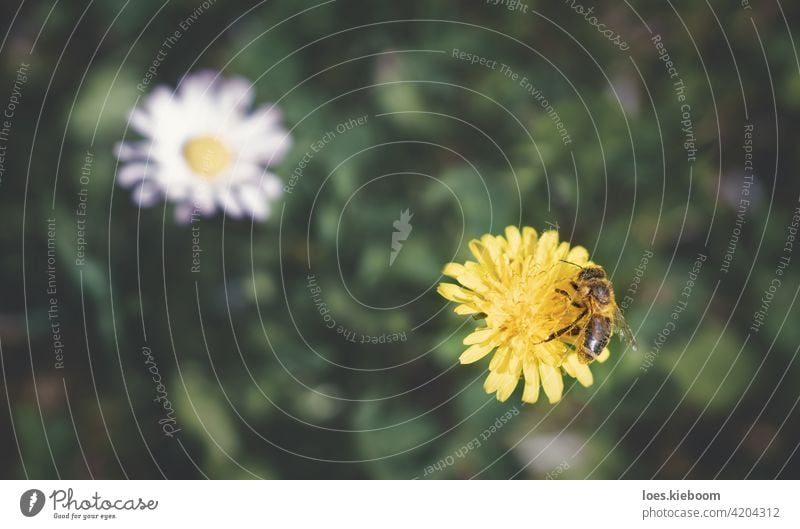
(204, 149)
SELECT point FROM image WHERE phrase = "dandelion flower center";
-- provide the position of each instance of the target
(207, 156)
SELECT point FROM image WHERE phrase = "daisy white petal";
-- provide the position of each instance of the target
(271, 185)
(146, 194)
(183, 213)
(131, 174)
(230, 203)
(255, 203)
(236, 92)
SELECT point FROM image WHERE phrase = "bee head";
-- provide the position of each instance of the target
(591, 272)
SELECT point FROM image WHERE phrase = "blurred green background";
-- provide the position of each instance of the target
(260, 385)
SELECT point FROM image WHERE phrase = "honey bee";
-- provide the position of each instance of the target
(600, 316)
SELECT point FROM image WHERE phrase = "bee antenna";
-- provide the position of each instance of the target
(570, 262)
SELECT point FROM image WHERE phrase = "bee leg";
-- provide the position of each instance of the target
(585, 357)
(566, 295)
(556, 334)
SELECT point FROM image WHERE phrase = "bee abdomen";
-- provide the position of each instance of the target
(598, 332)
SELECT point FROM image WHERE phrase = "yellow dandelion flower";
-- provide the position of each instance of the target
(513, 285)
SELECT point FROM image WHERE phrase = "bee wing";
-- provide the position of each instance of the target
(622, 328)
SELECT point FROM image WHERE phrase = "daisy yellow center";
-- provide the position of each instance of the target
(207, 156)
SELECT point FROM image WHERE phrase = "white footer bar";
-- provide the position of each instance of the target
(389, 504)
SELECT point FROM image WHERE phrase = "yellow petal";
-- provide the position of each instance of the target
(547, 242)
(551, 352)
(552, 382)
(584, 375)
(483, 255)
(602, 357)
(515, 365)
(562, 251)
(479, 336)
(545, 255)
(529, 239)
(531, 393)
(498, 362)
(578, 370)
(465, 309)
(509, 384)
(472, 281)
(453, 269)
(504, 383)
(475, 353)
(579, 256)
(532, 384)
(492, 382)
(514, 239)
(454, 293)
(494, 245)
(569, 368)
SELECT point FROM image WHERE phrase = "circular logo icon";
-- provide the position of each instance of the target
(31, 502)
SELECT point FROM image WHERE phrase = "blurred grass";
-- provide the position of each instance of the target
(259, 323)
